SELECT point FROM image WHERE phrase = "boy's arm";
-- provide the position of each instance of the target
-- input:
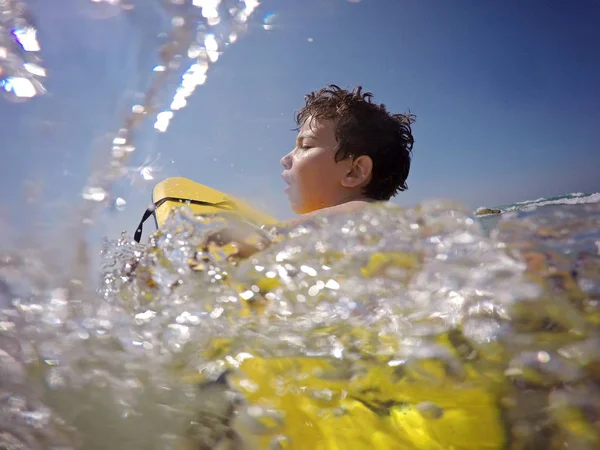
(238, 236)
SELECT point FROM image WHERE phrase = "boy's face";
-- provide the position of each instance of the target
(314, 179)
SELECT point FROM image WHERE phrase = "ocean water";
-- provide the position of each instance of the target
(489, 221)
(512, 313)
(475, 332)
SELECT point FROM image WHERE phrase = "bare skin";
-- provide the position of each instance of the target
(315, 183)
(315, 180)
(348, 207)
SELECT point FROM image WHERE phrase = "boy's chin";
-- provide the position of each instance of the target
(295, 206)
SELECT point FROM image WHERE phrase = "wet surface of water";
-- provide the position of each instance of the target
(374, 317)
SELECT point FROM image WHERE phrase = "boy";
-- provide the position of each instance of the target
(349, 152)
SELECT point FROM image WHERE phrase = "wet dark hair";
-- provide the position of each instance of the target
(366, 128)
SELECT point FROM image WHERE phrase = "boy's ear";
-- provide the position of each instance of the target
(359, 172)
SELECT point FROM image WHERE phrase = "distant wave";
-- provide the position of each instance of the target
(528, 205)
(559, 199)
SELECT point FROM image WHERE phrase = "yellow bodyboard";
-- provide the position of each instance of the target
(202, 200)
(217, 202)
(372, 411)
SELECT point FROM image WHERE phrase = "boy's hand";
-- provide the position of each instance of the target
(239, 237)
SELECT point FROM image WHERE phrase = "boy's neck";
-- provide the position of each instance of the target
(349, 205)
(354, 198)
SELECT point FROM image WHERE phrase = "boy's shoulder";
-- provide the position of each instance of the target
(343, 208)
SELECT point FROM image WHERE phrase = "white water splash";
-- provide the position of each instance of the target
(21, 69)
(205, 48)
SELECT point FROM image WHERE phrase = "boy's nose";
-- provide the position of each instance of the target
(286, 162)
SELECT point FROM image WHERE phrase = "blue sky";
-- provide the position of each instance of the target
(506, 96)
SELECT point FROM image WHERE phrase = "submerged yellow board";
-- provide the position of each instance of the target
(376, 409)
(201, 199)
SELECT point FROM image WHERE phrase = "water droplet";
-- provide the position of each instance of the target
(120, 204)
(323, 396)
(430, 410)
(27, 38)
(138, 109)
(280, 443)
(35, 69)
(178, 21)
(95, 194)
(20, 88)
(543, 357)
(261, 420)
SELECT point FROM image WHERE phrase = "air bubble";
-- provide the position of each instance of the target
(430, 410)
(280, 443)
(261, 420)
